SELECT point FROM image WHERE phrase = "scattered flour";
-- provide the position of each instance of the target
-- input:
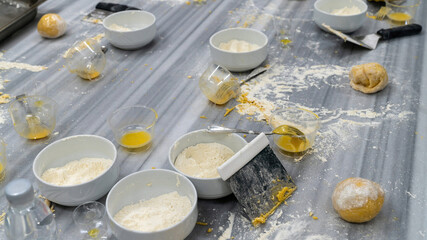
(355, 193)
(77, 172)
(318, 237)
(154, 214)
(24, 66)
(3, 114)
(273, 89)
(227, 233)
(289, 230)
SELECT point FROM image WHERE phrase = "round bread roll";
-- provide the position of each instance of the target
(51, 25)
(358, 200)
(368, 77)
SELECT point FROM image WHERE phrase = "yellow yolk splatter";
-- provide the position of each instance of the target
(285, 41)
(93, 233)
(135, 139)
(281, 196)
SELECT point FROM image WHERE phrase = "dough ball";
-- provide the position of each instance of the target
(368, 77)
(357, 200)
(51, 25)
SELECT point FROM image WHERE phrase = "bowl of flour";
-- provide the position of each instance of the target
(76, 169)
(152, 204)
(198, 154)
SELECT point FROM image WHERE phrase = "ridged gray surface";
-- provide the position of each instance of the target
(393, 153)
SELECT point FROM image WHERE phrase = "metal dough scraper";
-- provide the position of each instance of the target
(257, 179)
(370, 41)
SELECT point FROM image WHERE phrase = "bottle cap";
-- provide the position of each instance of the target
(19, 191)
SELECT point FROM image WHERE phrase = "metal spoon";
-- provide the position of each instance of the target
(224, 88)
(282, 130)
(33, 121)
(254, 73)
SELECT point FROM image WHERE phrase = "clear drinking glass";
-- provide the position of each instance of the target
(33, 117)
(401, 12)
(300, 127)
(91, 220)
(218, 84)
(86, 59)
(133, 126)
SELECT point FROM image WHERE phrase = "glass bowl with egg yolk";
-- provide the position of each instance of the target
(133, 126)
(401, 12)
(86, 59)
(298, 127)
(33, 117)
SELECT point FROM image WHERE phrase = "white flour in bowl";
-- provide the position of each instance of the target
(77, 172)
(154, 214)
(203, 159)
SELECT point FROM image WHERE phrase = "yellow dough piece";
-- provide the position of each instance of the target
(51, 25)
(368, 77)
(358, 200)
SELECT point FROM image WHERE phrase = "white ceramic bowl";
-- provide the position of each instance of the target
(346, 24)
(207, 188)
(145, 185)
(65, 150)
(240, 61)
(141, 23)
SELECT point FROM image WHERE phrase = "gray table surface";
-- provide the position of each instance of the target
(378, 136)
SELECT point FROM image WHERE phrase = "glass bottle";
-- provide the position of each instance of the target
(27, 217)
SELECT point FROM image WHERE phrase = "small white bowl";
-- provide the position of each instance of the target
(207, 188)
(141, 23)
(65, 150)
(348, 23)
(145, 185)
(240, 61)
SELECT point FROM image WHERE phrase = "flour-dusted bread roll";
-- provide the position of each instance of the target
(358, 200)
(368, 77)
(51, 25)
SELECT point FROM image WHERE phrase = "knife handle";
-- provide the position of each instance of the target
(395, 32)
(114, 7)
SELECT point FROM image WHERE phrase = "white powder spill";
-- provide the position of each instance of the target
(318, 237)
(3, 114)
(410, 194)
(24, 66)
(275, 87)
(289, 230)
(227, 233)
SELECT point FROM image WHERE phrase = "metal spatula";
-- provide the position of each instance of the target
(370, 41)
(258, 179)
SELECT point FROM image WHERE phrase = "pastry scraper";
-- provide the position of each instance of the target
(257, 179)
(370, 41)
(103, 9)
